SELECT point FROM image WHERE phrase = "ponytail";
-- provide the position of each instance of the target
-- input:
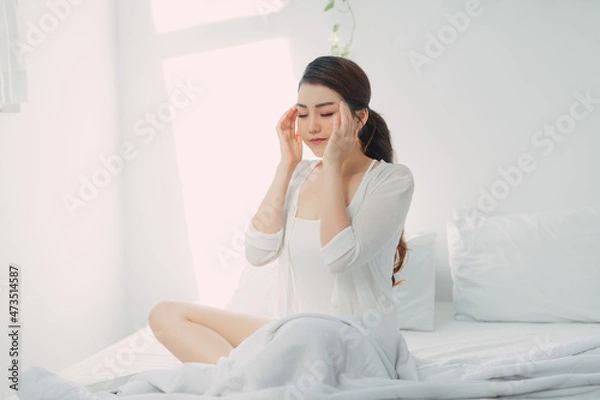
(375, 142)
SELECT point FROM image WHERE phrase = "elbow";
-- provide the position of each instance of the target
(345, 263)
(335, 269)
(340, 254)
(260, 258)
(256, 263)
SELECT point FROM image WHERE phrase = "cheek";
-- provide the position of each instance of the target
(302, 125)
(327, 126)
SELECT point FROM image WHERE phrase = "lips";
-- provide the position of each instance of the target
(317, 140)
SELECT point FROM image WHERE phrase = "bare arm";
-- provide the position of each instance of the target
(269, 216)
(334, 217)
(265, 232)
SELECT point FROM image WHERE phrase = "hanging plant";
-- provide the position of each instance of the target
(337, 48)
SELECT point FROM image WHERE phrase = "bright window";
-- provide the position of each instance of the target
(227, 150)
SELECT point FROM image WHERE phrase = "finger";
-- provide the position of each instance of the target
(292, 117)
(349, 119)
(336, 123)
(294, 113)
(285, 123)
(343, 118)
(350, 122)
(290, 123)
(280, 123)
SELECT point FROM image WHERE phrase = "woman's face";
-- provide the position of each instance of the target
(317, 106)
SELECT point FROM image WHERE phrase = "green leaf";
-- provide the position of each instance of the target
(335, 27)
(329, 5)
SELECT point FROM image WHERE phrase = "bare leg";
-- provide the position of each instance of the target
(199, 333)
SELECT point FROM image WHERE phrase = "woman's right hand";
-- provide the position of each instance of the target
(290, 141)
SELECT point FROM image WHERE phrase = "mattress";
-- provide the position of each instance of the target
(453, 333)
(449, 341)
(453, 344)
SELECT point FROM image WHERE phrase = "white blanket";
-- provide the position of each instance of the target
(317, 356)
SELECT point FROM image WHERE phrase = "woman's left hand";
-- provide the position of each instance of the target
(344, 136)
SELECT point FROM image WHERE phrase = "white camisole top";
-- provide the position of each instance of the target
(312, 281)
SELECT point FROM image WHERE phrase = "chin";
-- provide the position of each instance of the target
(318, 153)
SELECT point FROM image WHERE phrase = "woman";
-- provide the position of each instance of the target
(335, 223)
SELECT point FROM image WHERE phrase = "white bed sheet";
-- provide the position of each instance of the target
(113, 365)
(451, 340)
(454, 342)
(448, 331)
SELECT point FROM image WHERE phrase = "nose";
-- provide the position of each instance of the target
(313, 126)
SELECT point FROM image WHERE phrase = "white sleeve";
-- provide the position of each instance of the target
(261, 247)
(380, 218)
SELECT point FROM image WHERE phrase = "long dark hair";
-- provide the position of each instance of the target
(349, 80)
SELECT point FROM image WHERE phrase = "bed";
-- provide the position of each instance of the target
(449, 341)
(524, 321)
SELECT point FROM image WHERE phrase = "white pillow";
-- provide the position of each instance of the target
(415, 297)
(257, 291)
(537, 267)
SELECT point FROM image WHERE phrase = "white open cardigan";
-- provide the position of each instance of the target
(361, 256)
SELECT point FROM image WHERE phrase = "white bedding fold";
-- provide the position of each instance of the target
(317, 356)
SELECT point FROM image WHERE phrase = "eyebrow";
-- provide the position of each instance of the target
(329, 103)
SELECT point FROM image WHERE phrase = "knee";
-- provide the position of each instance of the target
(162, 315)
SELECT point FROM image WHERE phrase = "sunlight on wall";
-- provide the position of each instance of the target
(227, 150)
(173, 15)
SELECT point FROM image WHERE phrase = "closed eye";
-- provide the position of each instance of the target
(322, 115)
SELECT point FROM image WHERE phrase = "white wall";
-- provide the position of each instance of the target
(72, 287)
(477, 107)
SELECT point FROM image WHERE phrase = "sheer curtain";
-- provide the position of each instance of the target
(13, 83)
